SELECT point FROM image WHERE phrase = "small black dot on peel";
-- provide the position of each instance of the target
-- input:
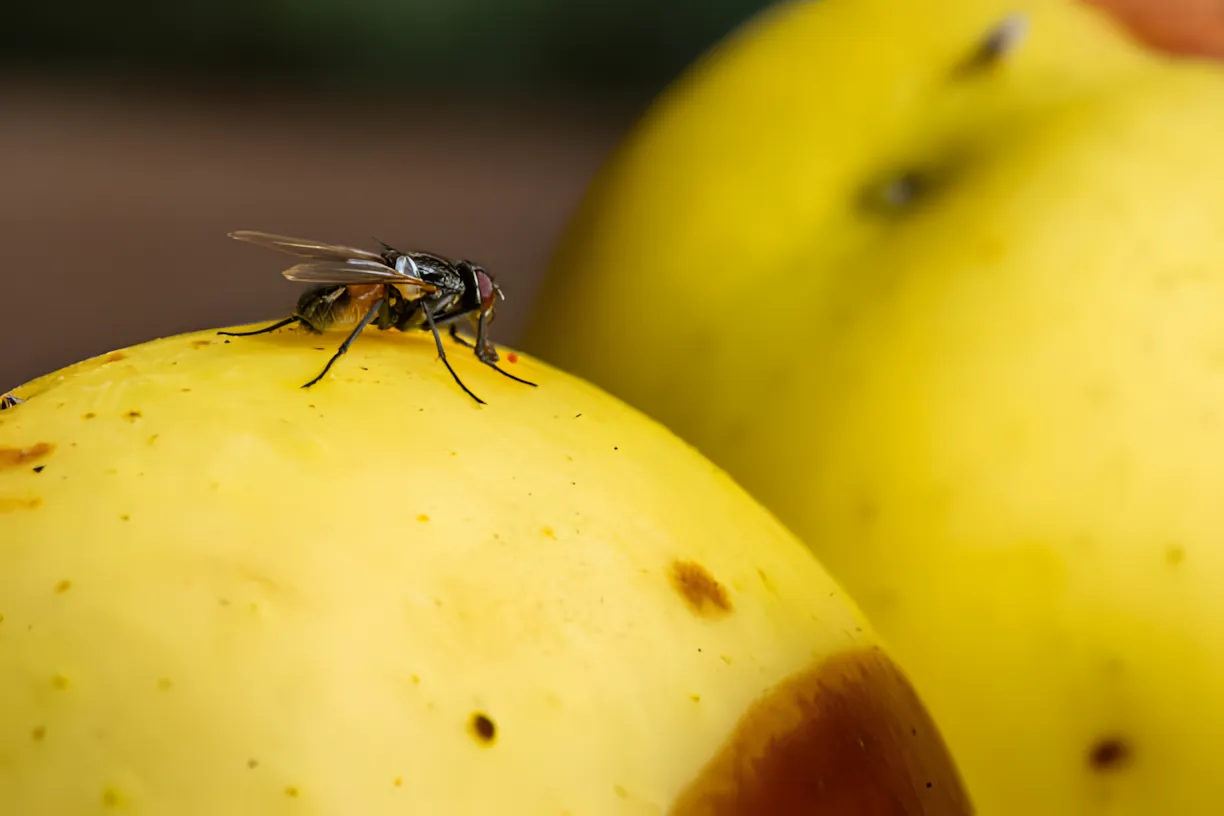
(1109, 754)
(39, 469)
(482, 727)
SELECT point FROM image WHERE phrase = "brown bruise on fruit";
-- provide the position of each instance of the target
(1193, 28)
(847, 736)
(17, 457)
(703, 594)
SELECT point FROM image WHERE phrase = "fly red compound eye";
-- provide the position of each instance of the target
(488, 292)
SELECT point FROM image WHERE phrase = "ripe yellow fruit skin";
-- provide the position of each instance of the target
(220, 593)
(995, 413)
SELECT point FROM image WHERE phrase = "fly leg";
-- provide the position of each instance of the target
(487, 354)
(433, 327)
(365, 321)
(454, 333)
(273, 327)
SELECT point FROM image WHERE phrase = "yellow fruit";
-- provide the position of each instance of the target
(223, 594)
(995, 410)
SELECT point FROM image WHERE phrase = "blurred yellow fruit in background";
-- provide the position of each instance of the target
(941, 284)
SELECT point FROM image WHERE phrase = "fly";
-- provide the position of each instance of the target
(406, 291)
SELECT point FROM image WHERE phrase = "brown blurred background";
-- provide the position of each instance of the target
(132, 139)
(133, 136)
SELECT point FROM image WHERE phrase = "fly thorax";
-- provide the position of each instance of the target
(406, 266)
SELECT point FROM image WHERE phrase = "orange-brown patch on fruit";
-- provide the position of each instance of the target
(16, 457)
(11, 503)
(847, 736)
(704, 595)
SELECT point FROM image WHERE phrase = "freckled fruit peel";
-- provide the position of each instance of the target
(221, 593)
(995, 410)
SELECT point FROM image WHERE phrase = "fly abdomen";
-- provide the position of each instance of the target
(336, 307)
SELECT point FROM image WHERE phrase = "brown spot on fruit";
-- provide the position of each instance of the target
(849, 735)
(548, 532)
(112, 798)
(115, 356)
(703, 594)
(8, 504)
(59, 682)
(16, 457)
(38, 733)
(200, 343)
(1192, 28)
(132, 416)
(63, 586)
(252, 764)
(88, 415)
(291, 792)
(1175, 555)
(1109, 754)
(483, 728)
(165, 684)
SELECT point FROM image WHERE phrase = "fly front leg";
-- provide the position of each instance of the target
(454, 333)
(487, 354)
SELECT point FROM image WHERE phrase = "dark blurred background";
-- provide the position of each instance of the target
(134, 135)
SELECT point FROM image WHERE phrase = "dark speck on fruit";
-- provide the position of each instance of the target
(998, 43)
(1109, 754)
(704, 595)
(483, 728)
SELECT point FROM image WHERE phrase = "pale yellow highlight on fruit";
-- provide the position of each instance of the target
(221, 593)
(996, 412)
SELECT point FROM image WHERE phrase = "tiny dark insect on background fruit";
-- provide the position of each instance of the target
(391, 289)
(9, 401)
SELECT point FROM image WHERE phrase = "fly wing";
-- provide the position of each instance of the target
(304, 247)
(352, 272)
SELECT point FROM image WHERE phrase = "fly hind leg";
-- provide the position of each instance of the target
(278, 325)
(365, 321)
